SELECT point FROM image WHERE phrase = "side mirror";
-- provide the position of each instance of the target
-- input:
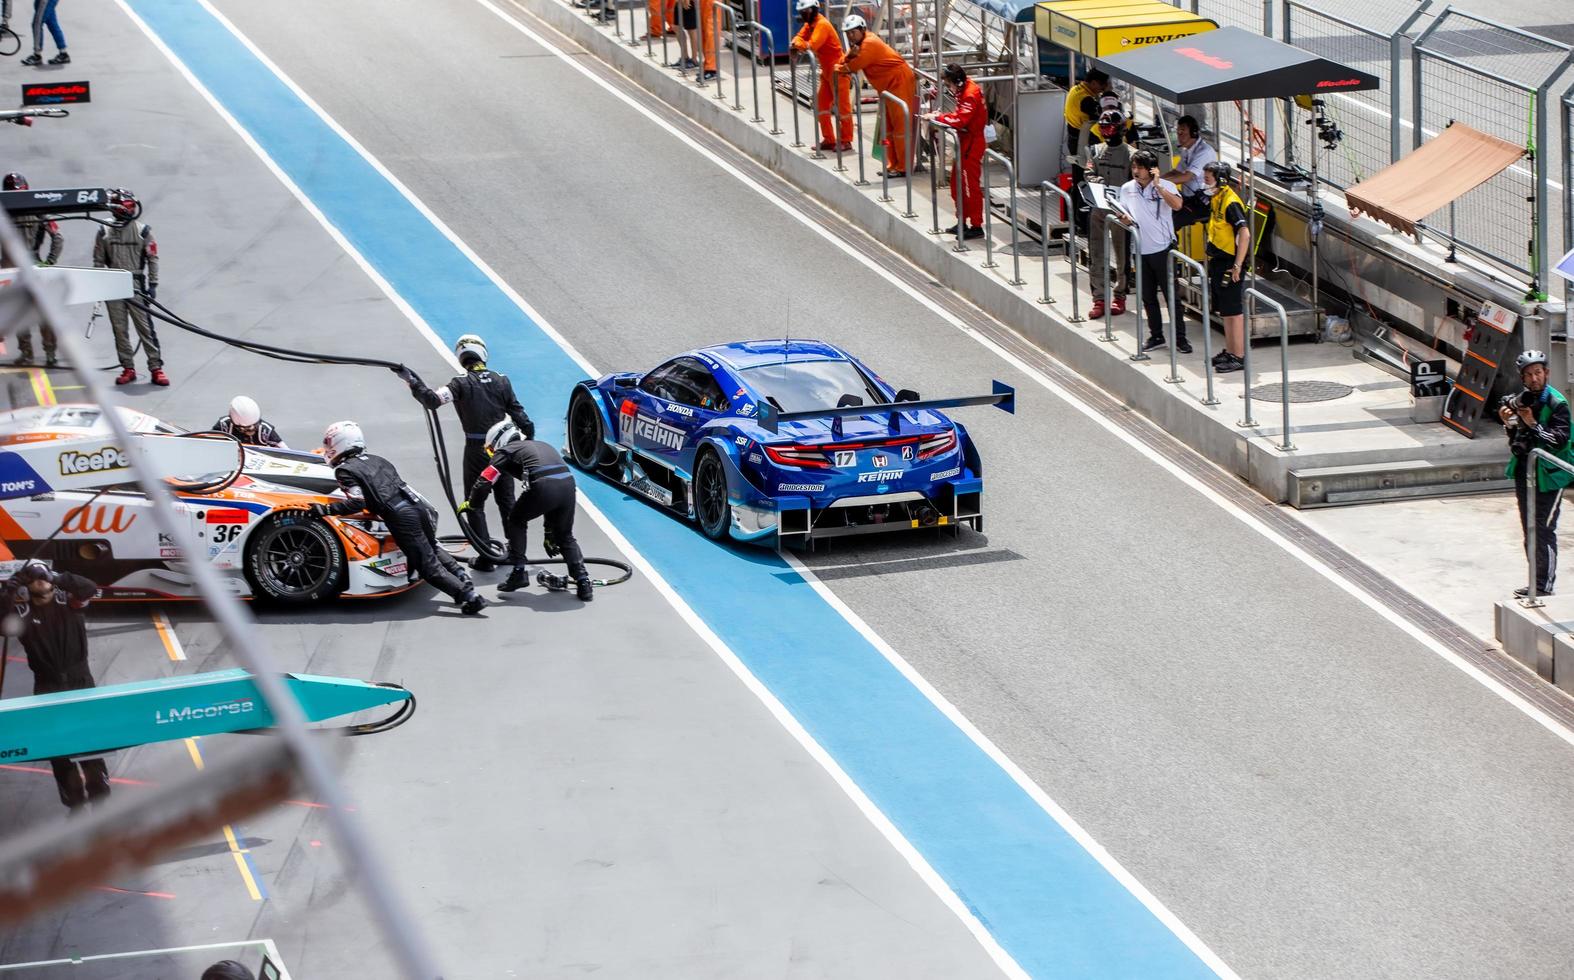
(907, 395)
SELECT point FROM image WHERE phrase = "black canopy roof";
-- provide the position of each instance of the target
(1230, 64)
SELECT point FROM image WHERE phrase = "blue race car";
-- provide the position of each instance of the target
(791, 440)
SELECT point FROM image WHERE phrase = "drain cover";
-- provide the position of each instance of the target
(1304, 391)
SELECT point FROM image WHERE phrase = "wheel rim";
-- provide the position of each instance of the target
(296, 560)
(586, 432)
(712, 495)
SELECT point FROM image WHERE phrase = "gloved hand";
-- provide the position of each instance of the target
(405, 374)
(152, 291)
(550, 546)
(464, 507)
(317, 510)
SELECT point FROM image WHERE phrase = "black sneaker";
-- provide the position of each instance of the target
(948, 231)
(24, 359)
(709, 76)
(1155, 343)
(1222, 356)
(50, 360)
(33, 61)
(517, 579)
(60, 59)
(586, 591)
(1183, 346)
(1523, 592)
(471, 603)
(973, 232)
(1233, 364)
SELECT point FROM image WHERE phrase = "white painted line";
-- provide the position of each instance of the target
(876, 817)
(166, 632)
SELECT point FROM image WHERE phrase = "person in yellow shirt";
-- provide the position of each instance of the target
(817, 35)
(886, 71)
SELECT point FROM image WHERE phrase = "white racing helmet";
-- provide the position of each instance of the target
(502, 434)
(341, 439)
(470, 345)
(853, 22)
(244, 411)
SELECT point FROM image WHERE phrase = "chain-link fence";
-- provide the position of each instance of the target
(1494, 79)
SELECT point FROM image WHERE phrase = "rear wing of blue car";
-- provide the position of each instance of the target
(1004, 398)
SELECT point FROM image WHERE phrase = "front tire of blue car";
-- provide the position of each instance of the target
(711, 509)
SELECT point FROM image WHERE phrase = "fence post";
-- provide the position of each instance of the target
(1169, 277)
(1566, 120)
(1044, 190)
(1109, 280)
(1139, 316)
(770, 43)
(1395, 93)
(989, 216)
(792, 84)
(1527, 500)
(1207, 320)
(1246, 359)
(858, 126)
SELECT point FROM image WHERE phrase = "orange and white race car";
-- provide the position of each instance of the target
(67, 498)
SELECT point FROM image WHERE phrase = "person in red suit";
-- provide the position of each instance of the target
(969, 120)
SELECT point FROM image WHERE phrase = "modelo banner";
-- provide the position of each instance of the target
(56, 93)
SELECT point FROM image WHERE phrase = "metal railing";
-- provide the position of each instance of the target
(1140, 314)
(989, 227)
(1044, 190)
(958, 185)
(1252, 297)
(1111, 219)
(858, 127)
(1528, 503)
(737, 78)
(910, 124)
(1568, 189)
(757, 28)
(1176, 255)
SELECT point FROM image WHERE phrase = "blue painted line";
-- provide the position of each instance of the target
(1045, 899)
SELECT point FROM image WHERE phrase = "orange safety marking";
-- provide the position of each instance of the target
(1490, 364)
(1479, 398)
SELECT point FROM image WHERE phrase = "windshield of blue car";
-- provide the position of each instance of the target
(804, 386)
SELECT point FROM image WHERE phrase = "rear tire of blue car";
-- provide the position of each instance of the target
(711, 509)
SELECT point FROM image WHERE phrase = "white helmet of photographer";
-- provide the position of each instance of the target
(470, 345)
(502, 434)
(342, 438)
(1528, 358)
(854, 22)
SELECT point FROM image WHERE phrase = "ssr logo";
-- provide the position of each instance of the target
(109, 458)
(224, 709)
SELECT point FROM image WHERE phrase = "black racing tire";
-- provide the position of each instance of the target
(586, 440)
(711, 509)
(293, 559)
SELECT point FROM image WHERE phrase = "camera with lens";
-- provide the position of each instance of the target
(1514, 401)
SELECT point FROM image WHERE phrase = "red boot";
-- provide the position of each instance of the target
(1118, 307)
(160, 378)
(126, 376)
(1096, 311)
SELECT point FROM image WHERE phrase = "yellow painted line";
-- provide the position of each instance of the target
(49, 389)
(35, 376)
(236, 851)
(166, 633)
(68, 387)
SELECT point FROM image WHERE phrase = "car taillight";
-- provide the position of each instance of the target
(797, 456)
(935, 445)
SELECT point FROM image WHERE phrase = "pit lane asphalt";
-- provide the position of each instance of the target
(1303, 784)
(582, 788)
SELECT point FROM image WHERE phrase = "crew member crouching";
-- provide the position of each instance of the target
(546, 490)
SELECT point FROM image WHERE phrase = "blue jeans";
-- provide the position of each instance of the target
(44, 16)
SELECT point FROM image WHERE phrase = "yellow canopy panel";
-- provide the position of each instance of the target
(1098, 28)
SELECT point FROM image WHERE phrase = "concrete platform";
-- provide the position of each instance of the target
(1369, 428)
(1540, 637)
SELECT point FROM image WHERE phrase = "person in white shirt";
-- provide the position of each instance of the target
(1194, 155)
(1151, 202)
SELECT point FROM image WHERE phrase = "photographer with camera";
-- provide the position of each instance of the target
(49, 607)
(1537, 417)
